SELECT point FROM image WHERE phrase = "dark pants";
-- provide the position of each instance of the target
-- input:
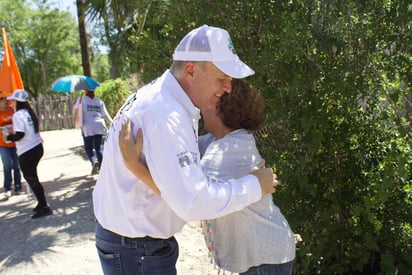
(271, 269)
(28, 165)
(141, 256)
(93, 142)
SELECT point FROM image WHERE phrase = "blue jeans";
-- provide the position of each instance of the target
(121, 255)
(10, 162)
(271, 269)
(93, 142)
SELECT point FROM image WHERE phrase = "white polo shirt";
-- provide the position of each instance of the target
(125, 205)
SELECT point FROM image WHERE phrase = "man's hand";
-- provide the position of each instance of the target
(267, 179)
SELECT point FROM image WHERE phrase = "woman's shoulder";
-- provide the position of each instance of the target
(21, 115)
(21, 112)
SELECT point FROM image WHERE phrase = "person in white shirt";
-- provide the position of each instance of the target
(29, 148)
(94, 127)
(135, 227)
(256, 239)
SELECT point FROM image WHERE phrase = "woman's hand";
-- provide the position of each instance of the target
(131, 151)
(267, 179)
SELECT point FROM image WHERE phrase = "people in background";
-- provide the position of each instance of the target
(29, 148)
(94, 128)
(10, 161)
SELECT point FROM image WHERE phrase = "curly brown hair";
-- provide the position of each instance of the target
(243, 107)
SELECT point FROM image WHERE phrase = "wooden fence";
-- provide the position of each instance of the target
(54, 111)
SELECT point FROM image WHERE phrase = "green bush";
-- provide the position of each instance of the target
(114, 93)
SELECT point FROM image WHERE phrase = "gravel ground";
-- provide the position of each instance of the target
(64, 242)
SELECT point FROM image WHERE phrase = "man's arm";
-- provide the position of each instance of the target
(131, 151)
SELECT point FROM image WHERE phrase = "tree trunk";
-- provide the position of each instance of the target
(83, 38)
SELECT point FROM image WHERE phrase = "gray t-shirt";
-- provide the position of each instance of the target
(94, 112)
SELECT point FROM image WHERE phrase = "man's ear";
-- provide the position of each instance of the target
(189, 70)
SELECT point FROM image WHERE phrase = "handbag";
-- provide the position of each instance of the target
(78, 113)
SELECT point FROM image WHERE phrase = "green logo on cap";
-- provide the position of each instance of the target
(231, 47)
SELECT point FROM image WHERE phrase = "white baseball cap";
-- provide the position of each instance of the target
(212, 44)
(19, 95)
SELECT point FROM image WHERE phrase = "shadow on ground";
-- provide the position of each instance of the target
(72, 220)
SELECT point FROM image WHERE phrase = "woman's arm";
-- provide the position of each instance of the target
(131, 151)
(15, 137)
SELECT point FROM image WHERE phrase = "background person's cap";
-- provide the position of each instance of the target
(212, 44)
(19, 95)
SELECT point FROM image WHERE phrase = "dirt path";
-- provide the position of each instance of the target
(64, 242)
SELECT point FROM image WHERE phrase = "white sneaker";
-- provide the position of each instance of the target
(8, 194)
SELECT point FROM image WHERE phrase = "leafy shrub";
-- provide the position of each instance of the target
(114, 93)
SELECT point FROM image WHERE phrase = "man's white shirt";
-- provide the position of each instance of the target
(125, 205)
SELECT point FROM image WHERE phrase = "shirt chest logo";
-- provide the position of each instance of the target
(187, 158)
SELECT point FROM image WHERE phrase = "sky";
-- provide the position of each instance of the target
(69, 5)
(64, 5)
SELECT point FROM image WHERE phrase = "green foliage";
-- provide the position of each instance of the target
(101, 68)
(45, 42)
(336, 105)
(113, 93)
(335, 76)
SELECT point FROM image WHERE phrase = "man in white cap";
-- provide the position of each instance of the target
(135, 227)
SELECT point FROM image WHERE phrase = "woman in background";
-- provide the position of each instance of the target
(29, 148)
(94, 127)
(11, 169)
